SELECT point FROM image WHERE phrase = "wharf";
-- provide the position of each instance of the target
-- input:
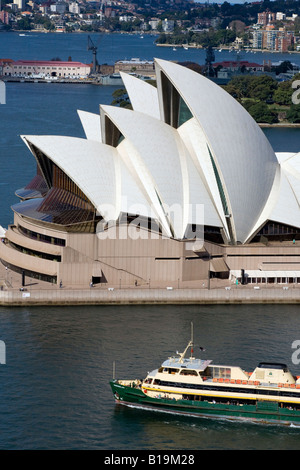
(144, 296)
(112, 79)
(218, 291)
(90, 81)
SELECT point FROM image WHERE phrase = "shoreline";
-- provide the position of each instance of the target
(104, 296)
(280, 124)
(227, 49)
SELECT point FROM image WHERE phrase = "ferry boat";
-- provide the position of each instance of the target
(197, 387)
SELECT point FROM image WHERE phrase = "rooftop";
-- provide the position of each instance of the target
(187, 363)
(55, 63)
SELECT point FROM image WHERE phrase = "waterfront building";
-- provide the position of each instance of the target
(74, 8)
(257, 39)
(4, 17)
(59, 7)
(135, 65)
(280, 16)
(237, 65)
(168, 25)
(273, 40)
(44, 69)
(180, 188)
(266, 17)
(3, 64)
(154, 23)
(20, 4)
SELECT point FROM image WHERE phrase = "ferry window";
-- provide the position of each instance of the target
(222, 372)
(167, 370)
(188, 372)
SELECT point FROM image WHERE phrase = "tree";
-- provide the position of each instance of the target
(261, 113)
(121, 98)
(242, 84)
(293, 114)
(234, 91)
(24, 24)
(283, 94)
(262, 87)
(284, 67)
(248, 103)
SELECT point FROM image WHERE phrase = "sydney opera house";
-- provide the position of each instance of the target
(183, 187)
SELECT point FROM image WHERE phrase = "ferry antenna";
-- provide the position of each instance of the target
(190, 345)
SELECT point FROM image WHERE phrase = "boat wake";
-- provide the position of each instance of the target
(184, 413)
(228, 419)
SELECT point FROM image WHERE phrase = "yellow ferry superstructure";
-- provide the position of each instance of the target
(176, 379)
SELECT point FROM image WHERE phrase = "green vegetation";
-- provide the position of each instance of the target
(293, 114)
(201, 23)
(265, 99)
(121, 98)
(203, 39)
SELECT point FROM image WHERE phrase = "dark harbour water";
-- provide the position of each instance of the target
(54, 390)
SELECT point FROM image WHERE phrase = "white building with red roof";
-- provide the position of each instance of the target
(235, 65)
(43, 68)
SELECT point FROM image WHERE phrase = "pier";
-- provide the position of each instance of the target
(18, 291)
(89, 81)
(138, 296)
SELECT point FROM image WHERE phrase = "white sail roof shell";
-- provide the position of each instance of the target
(283, 204)
(143, 96)
(287, 209)
(243, 154)
(164, 164)
(91, 124)
(97, 170)
(165, 173)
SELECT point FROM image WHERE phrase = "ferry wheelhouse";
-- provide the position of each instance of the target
(187, 385)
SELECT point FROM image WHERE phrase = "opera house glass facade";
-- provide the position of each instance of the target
(182, 187)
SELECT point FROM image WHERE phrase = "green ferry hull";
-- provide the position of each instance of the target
(262, 411)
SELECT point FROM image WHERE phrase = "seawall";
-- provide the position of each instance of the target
(234, 295)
